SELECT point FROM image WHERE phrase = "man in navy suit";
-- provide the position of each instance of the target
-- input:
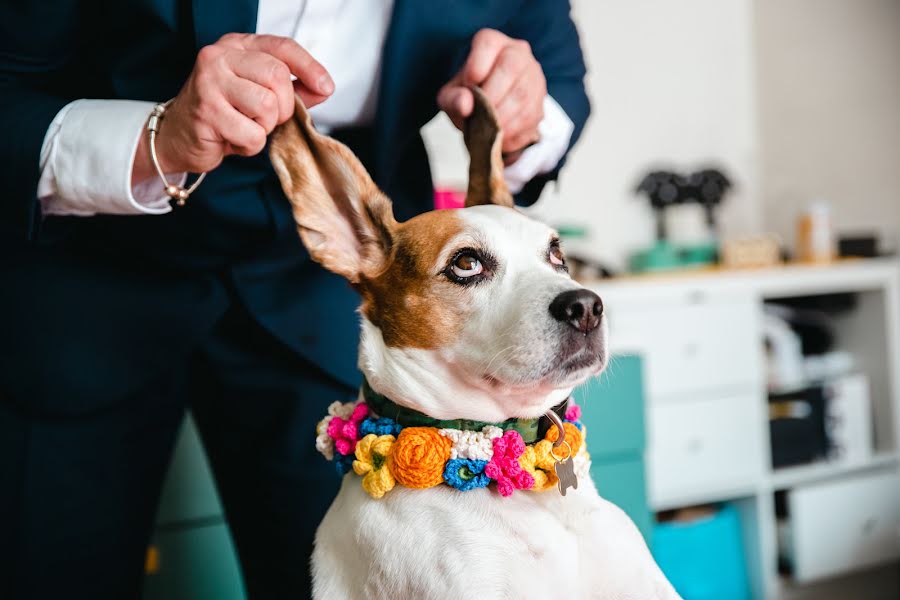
(119, 310)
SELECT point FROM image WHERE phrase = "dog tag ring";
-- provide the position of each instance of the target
(564, 467)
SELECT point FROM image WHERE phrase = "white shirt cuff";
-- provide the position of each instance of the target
(555, 131)
(87, 157)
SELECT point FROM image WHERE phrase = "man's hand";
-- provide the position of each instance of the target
(513, 81)
(239, 90)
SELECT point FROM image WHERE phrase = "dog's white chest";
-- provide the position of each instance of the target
(440, 543)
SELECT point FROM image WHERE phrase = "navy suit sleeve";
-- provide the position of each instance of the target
(37, 42)
(547, 25)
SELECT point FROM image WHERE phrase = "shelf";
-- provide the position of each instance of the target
(787, 477)
(707, 497)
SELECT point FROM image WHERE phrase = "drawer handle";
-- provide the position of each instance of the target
(696, 297)
(694, 445)
(691, 350)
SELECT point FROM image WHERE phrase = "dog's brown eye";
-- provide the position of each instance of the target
(556, 255)
(466, 265)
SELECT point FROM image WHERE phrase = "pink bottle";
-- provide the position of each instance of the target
(448, 198)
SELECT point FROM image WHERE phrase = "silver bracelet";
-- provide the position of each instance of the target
(175, 192)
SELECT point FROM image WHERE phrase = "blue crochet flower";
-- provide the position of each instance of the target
(382, 426)
(576, 424)
(343, 464)
(466, 474)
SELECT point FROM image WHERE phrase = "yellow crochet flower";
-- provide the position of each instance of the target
(539, 463)
(373, 457)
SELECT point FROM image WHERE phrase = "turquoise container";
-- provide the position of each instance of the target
(613, 412)
(704, 559)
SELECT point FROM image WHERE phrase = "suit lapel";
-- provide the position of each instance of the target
(391, 85)
(215, 18)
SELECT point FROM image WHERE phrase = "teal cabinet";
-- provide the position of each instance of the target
(621, 481)
(613, 413)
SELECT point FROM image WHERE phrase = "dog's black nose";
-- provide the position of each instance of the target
(579, 308)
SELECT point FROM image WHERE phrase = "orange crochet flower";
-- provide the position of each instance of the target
(419, 455)
(573, 438)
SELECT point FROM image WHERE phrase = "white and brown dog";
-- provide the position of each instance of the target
(466, 314)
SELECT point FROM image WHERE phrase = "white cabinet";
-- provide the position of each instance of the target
(703, 448)
(844, 525)
(694, 341)
(701, 337)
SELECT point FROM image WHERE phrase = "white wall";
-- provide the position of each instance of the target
(671, 84)
(797, 99)
(829, 99)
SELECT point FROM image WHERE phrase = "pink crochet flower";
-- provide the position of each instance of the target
(504, 465)
(345, 432)
(573, 412)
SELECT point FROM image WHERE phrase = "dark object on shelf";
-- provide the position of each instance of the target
(706, 187)
(663, 188)
(797, 427)
(830, 304)
(782, 514)
(863, 246)
(811, 317)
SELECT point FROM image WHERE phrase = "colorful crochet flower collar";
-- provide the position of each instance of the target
(388, 445)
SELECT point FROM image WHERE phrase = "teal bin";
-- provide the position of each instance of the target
(704, 559)
(613, 413)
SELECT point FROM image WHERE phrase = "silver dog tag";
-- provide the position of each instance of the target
(565, 472)
(564, 467)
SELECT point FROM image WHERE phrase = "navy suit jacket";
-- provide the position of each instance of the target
(93, 308)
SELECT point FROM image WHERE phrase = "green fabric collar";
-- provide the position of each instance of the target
(407, 417)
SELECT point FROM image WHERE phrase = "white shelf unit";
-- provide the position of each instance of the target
(701, 337)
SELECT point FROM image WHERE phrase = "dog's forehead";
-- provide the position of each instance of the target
(431, 235)
(505, 228)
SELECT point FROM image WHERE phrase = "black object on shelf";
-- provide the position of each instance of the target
(706, 187)
(862, 246)
(797, 427)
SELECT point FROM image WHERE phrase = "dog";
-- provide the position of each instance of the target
(470, 315)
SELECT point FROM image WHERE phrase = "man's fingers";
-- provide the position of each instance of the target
(253, 100)
(309, 97)
(309, 72)
(244, 135)
(457, 101)
(516, 104)
(511, 63)
(519, 134)
(486, 45)
(269, 72)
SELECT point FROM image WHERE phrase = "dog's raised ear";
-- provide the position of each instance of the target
(344, 220)
(484, 139)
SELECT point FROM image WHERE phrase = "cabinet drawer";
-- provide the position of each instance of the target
(704, 447)
(844, 525)
(692, 341)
